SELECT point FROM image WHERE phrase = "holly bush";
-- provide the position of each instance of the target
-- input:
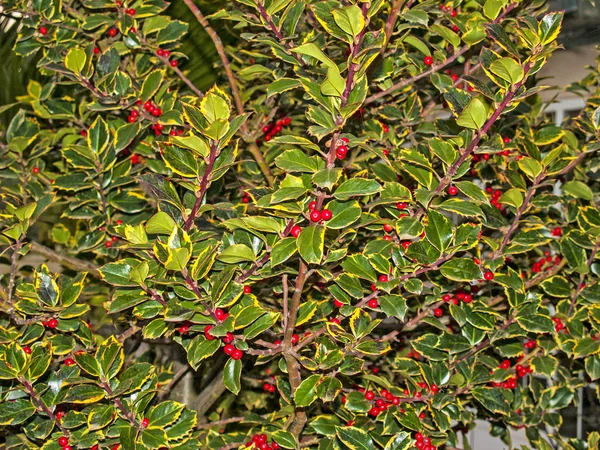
(367, 235)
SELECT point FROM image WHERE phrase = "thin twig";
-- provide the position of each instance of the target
(171, 384)
(75, 264)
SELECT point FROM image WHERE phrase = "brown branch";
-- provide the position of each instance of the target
(41, 405)
(218, 423)
(129, 415)
(182, 76)
(14, 259)
(235, 92)
(171, 384)
(203, 185)
(75, 264)
(390, 24)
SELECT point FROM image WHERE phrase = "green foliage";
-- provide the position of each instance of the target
(300, 255)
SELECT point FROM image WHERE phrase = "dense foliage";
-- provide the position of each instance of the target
(368, 235)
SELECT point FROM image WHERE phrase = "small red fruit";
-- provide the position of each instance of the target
(326, 214)
(63, 441)
(112, 32)
(388, 228)
(373, 303)
(295, 231)
(369, 395)
(52, 323)
(489, 276)
(174, 63)
(27, 350)
(207, 334)
(315, 215)
(437, 312)
(247, 290)
(337, 303)
(108, 244)
(237, 354)
(135, 159)
(452, 190)
(229, 349)
(145, 422)
(160, 52)
(43, 31)
(36, 170)
(383, 278)
(220, 314)
(96, 50)
(69, 362)
(184, 329)
(335, 320)
(557, 232)
(130, 11)
(428, 60)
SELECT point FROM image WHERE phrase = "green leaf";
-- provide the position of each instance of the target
(296, 161)
(125, 135)
(438, 230)
(472, 191)
(548, 135)
(491, 8)
(491, 399)
(578, 190)
(359, 265)
(181, 161)
(283, 250)
(327, 178)
(530, 167)
(110, 357)
(117, 273)
(214, 107)
(165, 413)
(97, 136)
(574, 254)
(160, 223)
(344, 214)
(75, 60)
(354, 438)
(285, 439)
(151, 84)
(549, 27)
(310, 244)
(443, 150)
(236, 253)
(356, 187)
(306, 393)
(556, 287)
(461, 269)
(474, 115)
(16, 411)
(507, 69)
(282, 85)
(585, 347)
(201, 348)
(84, 394)
(512, 197)
(393, 306)
(231, 375)
(349, 19)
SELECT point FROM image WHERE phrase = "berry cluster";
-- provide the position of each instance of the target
(318, 216)
(520, 370)
(228, 339)
(261, 442)
(423, 443)
(268, 387)
(383, 401)
(51, 323)
(273, 129)
(546, 263)
(63, 441)
(165, 54)
(558, 325)
(460, 295)
(342, 148)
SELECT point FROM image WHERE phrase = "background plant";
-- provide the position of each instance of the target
(335, 267)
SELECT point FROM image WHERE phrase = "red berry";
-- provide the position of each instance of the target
(114, 239)
(312, 206)
(52, 323)
(237, 354)
(43, 31)
(428, 60)
(145, 422)
(326, 214)
(167, 53)
(341, 152)
(220, 314)
(67, 447)
(557, 231)
(452, 190)
(112, 32)
(135, 159)
(130, 11)
(373, 303)
(437, 312)
(174, 63)
(36, 170)
(229, 349)
(374, 411)
(489, 276)
(388, 228)
(108, 244)
(337, 303)
(335, 320)
(160, 52)
(295, 339)
(446, 297)
(63, 441)
(184, 329)
(453, 13)
(383, 278)
(295, 231)
(69, 362)
(27, 350)
(315, 215)
(96, 50)
(207, 334)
